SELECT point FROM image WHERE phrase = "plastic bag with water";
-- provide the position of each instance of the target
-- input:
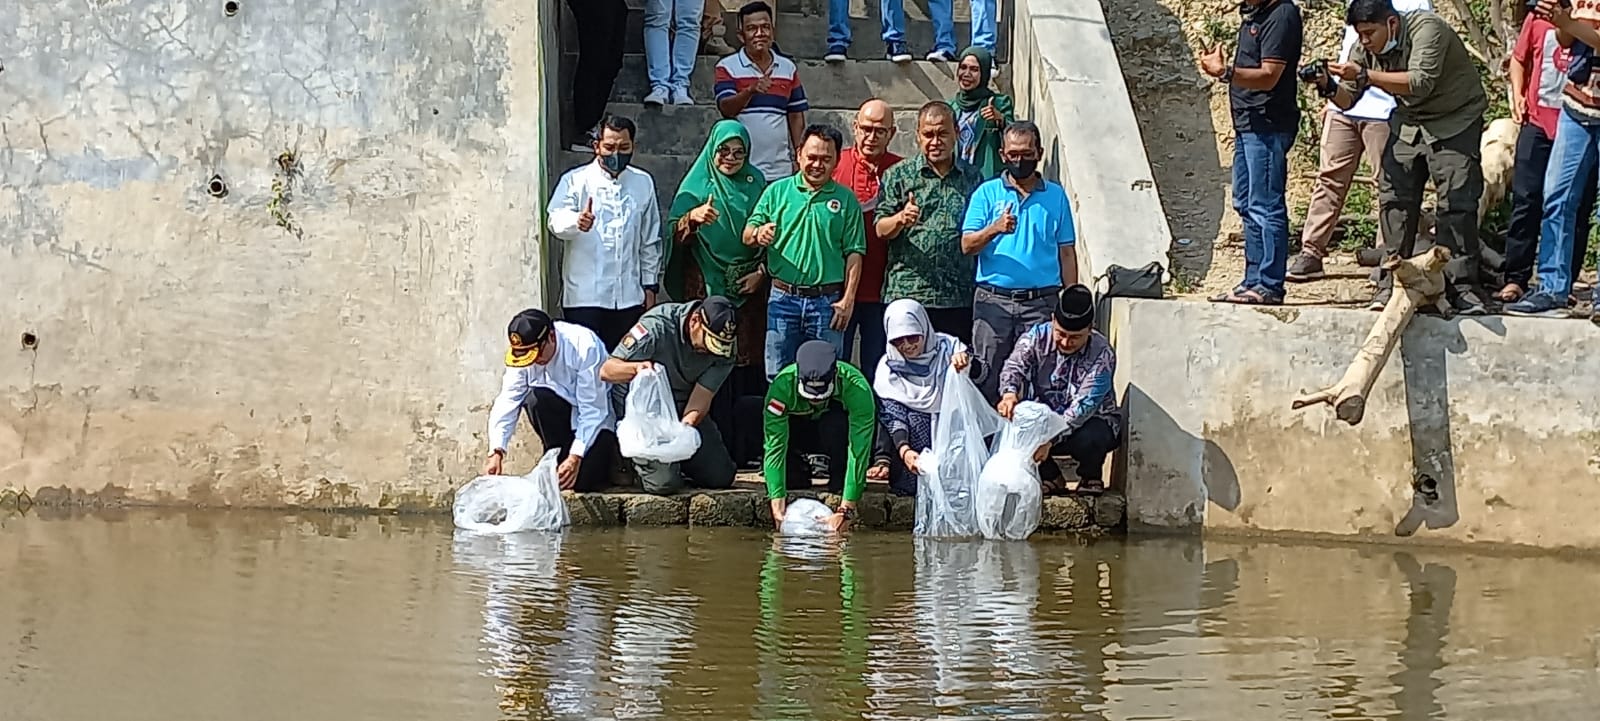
(948, 472)
(1009, 499)
(806, 517)
(651, 429)
(512, 504)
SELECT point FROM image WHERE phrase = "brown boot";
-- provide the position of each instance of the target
(714, 32)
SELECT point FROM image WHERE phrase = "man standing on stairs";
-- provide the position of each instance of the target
(605, 213)
(602, 32)
(860, 168)
(713, 32)
(670, 54)
(893, 13)
(761, 89)
(811, 227)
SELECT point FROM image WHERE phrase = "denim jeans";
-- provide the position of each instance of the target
(985, 16)
(867, 322)
(795, 319)
(943, 15)
(671, 59)
(1572, 166)
(1527, 207)
(894, 21)
(1260, 179)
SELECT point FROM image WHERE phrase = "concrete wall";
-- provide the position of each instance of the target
(328, 332)
(1067, 79)
(1502, 412)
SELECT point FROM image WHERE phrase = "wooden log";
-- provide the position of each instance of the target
(1418, 281)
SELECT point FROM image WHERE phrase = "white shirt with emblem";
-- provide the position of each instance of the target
(609, 265)
(573, 374)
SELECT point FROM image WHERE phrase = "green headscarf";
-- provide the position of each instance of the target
(969, 100)
(717, 247)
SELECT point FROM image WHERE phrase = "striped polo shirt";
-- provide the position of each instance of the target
(767, 115)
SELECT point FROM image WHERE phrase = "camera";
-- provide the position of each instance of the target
(1313, 71)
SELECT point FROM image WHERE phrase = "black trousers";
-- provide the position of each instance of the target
(1527, 208)
(1089, 446)
(827, 434)
(952, 321)
(551, 416)
(609, 324)
(744, 390)
(1455, 164)
(602, 30)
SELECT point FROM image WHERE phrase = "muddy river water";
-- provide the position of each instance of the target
(174, 616)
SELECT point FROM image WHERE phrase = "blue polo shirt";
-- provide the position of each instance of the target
(1026, 258)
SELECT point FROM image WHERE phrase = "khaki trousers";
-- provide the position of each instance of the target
(1344, 141)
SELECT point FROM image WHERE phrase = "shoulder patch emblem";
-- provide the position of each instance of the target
(776, 407)
(834, 205)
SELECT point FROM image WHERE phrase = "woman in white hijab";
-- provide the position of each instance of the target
(909, 383)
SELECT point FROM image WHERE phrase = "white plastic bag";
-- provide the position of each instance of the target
(806, 517)
(650, 429)
(948, 472)
(512, 504)
(1009, 499)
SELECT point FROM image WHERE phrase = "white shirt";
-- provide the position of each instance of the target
(610, 265)
(1375, 104)
(573, 374)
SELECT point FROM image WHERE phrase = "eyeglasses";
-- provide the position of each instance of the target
(732, 153)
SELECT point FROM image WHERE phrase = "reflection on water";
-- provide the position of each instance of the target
(256, 616)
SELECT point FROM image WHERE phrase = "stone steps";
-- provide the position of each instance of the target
(682, 129)
(747, 506)
(828, 85)
(806, 35)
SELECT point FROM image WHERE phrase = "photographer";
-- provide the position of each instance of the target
(1435, 131)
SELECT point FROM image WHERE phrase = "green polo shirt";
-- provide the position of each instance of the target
(1446, 96)
(925, 260)
(662, 337)
(816, 230)
(852, 391)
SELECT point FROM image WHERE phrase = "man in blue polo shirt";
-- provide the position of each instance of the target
(1020, 227)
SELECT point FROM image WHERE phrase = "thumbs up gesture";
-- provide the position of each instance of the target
(990, 112)
(586, 218)
(1007, 222)
(912, 213)
(705, 213)
(766, 234)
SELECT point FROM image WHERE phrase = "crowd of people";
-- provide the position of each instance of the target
(805, 298)
(1406, 93)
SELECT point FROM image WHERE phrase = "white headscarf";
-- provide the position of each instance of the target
(915, 382)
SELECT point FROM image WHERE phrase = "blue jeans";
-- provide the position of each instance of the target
(894, 21)
(1573, 156)
(985, 16)
(1260, 178)
(671, 59)
(795, 319)
(942, 13)
(867, 321)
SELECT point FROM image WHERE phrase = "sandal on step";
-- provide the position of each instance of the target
(1091, 487)
(1510, 294)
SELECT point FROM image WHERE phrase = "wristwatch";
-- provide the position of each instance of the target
(1227, 76)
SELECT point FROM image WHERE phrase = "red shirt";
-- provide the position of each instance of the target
(1546, 62)
(861, 176)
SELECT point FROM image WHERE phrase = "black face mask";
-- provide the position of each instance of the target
(1022, 169)
(615, 163)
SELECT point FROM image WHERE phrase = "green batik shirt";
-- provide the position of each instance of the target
(850, 389)
(925, 260)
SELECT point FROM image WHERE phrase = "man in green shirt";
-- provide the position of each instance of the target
(1436, 130)
(815, 235)
(822, 405)
(694, 344)
(922, 203)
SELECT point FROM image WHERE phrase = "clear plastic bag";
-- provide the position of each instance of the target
(650, 429)
(806, 517)
(948, 472)
(1009, 499)
(512, 504)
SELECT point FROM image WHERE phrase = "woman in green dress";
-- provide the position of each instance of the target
(981, 113)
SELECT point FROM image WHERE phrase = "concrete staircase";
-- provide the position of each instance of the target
(671, 137)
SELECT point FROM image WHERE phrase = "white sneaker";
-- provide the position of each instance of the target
(656, 98)
(994, 74)
(836, 54)
(681, 97)
(941, 56)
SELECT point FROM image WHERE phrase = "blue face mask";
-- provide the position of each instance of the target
(1388, 47)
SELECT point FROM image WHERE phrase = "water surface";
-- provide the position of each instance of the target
(245, 616)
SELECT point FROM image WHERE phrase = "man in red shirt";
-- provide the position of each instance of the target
(860, 168)
(1538, 75)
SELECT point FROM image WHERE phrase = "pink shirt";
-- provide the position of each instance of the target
(1546, 62)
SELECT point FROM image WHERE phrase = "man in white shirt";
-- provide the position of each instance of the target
(606, 214)
(1346, 136)
(553, 373)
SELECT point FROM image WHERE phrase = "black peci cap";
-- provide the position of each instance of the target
(527, 332)
(1075, 308)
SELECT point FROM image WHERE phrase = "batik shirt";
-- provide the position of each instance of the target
(1078, 386)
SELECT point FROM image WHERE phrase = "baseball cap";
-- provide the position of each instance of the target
(1075, 308)
(527, 332)
(815, 368)
(721, 324)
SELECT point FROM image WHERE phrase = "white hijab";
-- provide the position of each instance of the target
(918, 381)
